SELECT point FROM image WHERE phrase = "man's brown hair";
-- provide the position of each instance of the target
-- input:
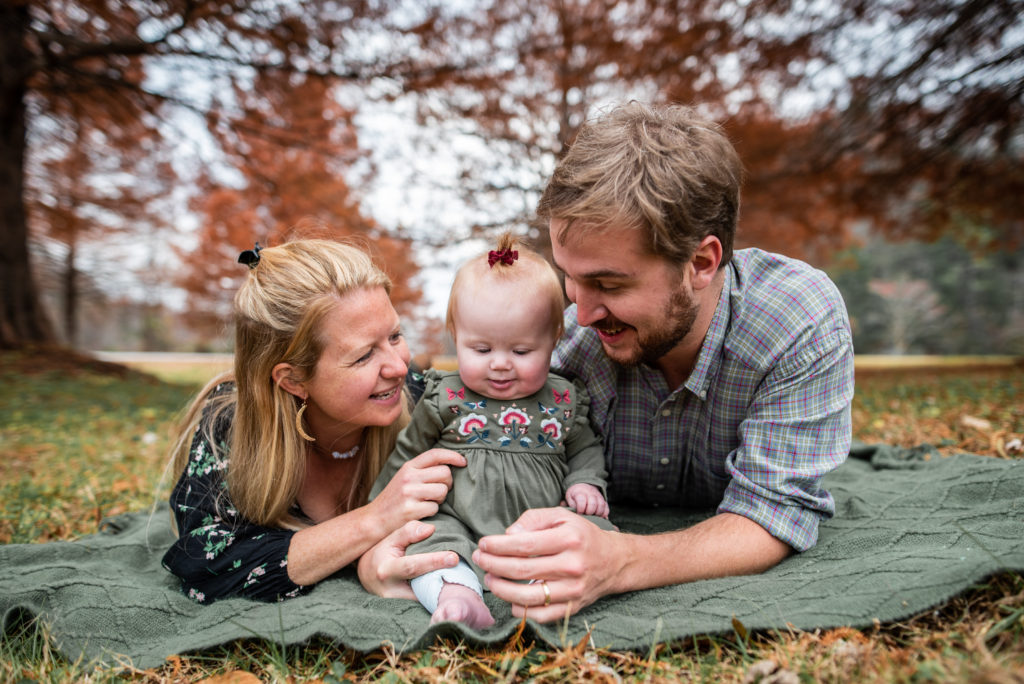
(666, 170)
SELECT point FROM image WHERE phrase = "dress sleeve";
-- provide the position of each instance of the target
(421, 434)
(583, 448)
(219, 554)
(797, 429)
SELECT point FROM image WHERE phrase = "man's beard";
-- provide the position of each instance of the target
(681, 312)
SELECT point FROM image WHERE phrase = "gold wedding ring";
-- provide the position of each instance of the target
(547, 592)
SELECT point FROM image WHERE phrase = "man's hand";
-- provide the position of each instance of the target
(577, 560)
(385, 570)
(586, 499)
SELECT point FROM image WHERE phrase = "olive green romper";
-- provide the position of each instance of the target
(520, 454)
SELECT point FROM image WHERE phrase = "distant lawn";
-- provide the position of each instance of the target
(80, 441)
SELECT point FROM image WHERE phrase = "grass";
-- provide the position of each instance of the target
(80, 441)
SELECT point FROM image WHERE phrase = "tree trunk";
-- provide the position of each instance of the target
(22, 319)
(71, 294)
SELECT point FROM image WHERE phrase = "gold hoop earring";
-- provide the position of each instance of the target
(298, 423)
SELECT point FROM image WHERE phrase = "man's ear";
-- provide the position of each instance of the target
(284, 376)
(705, 262)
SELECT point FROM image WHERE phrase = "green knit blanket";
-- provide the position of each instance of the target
(911, 530)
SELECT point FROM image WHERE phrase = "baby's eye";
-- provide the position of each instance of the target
(482, 350)
(521, 352)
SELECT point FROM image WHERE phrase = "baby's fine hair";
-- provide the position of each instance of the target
(510, 261)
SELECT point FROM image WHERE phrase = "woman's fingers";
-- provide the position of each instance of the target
(438, 457)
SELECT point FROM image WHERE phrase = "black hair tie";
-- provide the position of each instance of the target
(250, 257)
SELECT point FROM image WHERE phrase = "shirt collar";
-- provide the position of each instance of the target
(710, 357)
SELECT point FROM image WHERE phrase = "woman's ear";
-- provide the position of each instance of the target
(284, 376)
(705, 262)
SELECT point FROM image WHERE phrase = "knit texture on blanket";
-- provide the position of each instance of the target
(911, 530)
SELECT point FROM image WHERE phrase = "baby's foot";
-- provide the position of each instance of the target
(458, 603)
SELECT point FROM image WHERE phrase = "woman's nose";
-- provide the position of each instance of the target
(394, 365)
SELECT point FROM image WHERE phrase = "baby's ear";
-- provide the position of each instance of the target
(283, 375)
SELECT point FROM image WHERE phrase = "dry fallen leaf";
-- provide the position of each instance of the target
(975, 423)
(232, 677)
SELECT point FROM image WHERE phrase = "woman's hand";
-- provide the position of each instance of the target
(417, 489)
(385, 570)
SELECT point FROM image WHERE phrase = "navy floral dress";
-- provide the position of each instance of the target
(219, 553)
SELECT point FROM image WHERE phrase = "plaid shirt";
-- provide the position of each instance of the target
(761, 419)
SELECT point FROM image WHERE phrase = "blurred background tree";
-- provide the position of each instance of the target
(95, 92)
(209, 124)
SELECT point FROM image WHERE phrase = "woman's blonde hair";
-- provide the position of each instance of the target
(528, 269)
(664, 170)
(279, 313)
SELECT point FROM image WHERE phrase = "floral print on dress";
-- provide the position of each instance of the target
(521, 426)
(550, 433)
(255, 574)
(514, 421)
(218, 552)
(474, 427)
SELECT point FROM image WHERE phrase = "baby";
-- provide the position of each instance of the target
(523, 431)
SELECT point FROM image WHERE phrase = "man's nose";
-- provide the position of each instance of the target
(589, 308)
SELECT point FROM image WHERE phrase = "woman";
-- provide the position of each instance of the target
(276, 459)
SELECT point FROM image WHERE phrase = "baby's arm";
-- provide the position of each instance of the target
(587, 500)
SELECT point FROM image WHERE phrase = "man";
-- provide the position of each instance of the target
(718, 380)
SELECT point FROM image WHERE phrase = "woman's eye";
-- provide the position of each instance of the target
(395, 337)
(365, 357)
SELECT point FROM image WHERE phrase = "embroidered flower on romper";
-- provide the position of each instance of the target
(550, 431)
(513, 420)
(472, 426)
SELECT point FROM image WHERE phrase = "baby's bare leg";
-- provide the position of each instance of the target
(458, 603)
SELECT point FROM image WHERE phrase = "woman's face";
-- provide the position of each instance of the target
(359, 378)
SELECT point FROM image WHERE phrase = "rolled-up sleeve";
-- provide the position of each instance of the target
(797, 429)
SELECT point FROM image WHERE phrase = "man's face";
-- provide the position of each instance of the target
(640, 305)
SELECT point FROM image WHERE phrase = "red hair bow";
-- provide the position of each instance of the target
(505, 256)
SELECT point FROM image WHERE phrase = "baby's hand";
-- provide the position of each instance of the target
(587, 500)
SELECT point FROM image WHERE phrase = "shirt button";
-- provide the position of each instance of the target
(666, 413)
(661, 486)
(664, 461)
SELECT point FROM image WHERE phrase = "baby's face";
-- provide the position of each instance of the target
(503, 342)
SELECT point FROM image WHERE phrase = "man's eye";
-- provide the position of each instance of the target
(604, 287)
